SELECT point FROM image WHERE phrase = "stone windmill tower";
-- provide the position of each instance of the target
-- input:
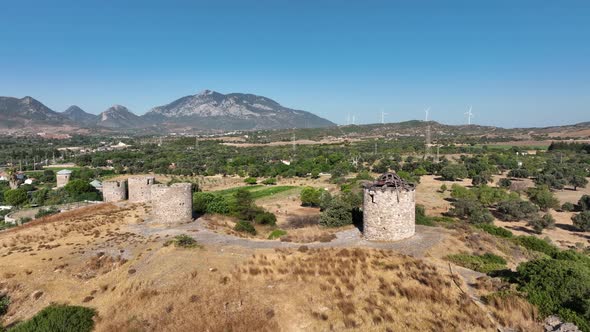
(389, 209)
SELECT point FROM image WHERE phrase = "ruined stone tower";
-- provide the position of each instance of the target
(114, 191)
(140, 188)
(172, 204)
(63, 177)
(389, 209)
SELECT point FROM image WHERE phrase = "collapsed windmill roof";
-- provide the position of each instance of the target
(391, 180)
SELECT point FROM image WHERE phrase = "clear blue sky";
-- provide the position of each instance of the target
(519, 63)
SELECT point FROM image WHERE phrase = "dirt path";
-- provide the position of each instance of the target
(417, 246)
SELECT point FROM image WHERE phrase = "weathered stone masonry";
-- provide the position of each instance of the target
(140, 188)
(389, 209)
(114, 191)
(172, 204)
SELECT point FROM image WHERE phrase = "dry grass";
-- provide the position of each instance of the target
(366, 290)
(196, 304)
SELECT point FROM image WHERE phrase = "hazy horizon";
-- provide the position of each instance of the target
(519, 64)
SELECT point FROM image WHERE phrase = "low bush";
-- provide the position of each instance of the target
(584, 203)
(4, 303)
(485, 263)
(582, 221)
(337, 214)
(505, 183)
(270, 182)
(265, 218)
(472, 211)
(245, 227)
(210, 203)
(277, 233)
(514, 210)
(568, 207)
(183, 241)
(559, 286)
(250, 181)
(495, 230)
(536, 244)
(543, 197)
(63, 318)
(540, 223)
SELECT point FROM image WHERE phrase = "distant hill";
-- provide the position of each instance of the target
(78, 116)
(234, 111)
(28, 112)
(119, 117)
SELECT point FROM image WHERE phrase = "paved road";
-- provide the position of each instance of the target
(416, 246)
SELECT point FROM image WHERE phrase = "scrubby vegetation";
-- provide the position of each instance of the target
(183, 241)
(62, 318)
(277, 233)
(495, 230)
(485, 263)
(559, 285)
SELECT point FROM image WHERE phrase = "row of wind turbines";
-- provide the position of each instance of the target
(351, 120)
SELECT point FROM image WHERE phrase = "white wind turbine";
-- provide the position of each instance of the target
(469, 115)
(427, 111)
(383, 114)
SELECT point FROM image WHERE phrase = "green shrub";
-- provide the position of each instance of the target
(16, 197)
(250, 181)
(514, 210)
(46, 212)
(4, 303)
(61, 318)
(505, 183)
(443, 188)
(245, 227)
(460, 192)
(584, 203)
(543, 197)
(536, 244)
(540, 223)
(568, 207)
(243, 205)
(77, 187)
(495, 230)
(485, 263)
(558, 286)
(270, 182)
(183, 241)
(266, 218)
(337, 214)
(471, 211)
(311, 196)
(24, 220)
(210, 203)
(582, 220)
(277, 233)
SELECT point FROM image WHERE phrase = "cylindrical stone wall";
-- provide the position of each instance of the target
(114, 191)
(388, 214)
(172, 204)
(139, 188)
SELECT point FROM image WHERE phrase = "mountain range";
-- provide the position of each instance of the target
(208, 110)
